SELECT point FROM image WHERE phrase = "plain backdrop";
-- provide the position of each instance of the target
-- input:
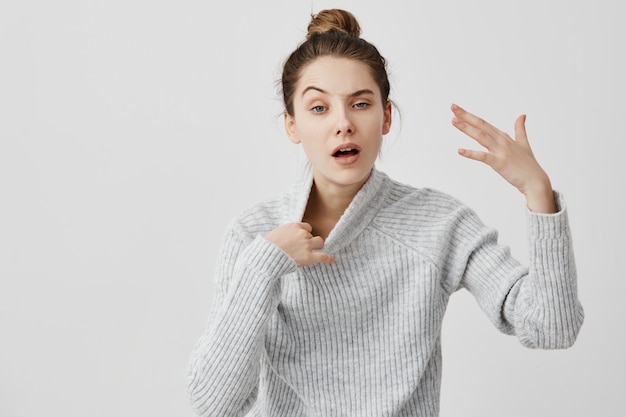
(132, 131)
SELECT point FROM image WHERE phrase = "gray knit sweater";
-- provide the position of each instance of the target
(362, 337)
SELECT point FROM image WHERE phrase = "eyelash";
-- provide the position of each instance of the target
(359, 105)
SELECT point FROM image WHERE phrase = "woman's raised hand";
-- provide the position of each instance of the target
(511, 158)
(297, 241)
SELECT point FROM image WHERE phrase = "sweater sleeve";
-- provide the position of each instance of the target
(538, 303)
(223, 370)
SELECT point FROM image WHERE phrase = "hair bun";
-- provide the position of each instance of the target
(334, 19)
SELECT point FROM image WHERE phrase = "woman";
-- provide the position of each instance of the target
(331, 297)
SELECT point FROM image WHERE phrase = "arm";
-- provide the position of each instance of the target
(544, 306)
(540, 304)
(224, 366)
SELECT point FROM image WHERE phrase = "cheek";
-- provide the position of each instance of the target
(310, 137)
(312, 128)
(375, 124)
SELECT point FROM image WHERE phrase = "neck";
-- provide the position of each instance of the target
(327, 203)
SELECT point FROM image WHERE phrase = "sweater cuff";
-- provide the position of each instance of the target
(260, 265)
(549, 225)
(267, 258)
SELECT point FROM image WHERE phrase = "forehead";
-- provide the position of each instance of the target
(338, 76)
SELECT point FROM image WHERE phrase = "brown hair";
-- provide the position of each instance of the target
(333, 32)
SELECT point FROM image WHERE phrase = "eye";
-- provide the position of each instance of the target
(318, 109)
(361, 105)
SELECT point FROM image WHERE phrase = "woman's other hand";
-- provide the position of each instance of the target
(513, 159)
(297, 241)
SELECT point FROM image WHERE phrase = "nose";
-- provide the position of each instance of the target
(344, 123)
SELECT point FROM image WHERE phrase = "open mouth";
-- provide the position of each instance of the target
(345, 152)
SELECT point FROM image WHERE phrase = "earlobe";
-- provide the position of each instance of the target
(290, 128)
(387, 118)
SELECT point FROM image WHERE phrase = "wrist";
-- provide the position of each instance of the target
(540, 197)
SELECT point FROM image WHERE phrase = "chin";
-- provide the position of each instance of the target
(350, 176)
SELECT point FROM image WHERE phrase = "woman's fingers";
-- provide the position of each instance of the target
(475, 155)
(297, 241)
(317, 242)
(321, 257)
(471, 119)
(512, 159)
(520, 130)
(475, 127)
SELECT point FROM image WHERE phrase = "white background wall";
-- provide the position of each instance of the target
(132, 131)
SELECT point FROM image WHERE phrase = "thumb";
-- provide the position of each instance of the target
(520, 129)
(323, 258)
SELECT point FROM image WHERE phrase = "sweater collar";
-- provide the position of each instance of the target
(357, 216)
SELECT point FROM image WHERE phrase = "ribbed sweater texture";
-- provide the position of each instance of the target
(362, 337)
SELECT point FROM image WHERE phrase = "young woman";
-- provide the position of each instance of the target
(331, 297)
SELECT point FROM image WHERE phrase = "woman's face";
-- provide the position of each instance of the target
(339, 119)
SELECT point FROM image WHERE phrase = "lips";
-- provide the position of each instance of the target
(346, 149)
(346, 153)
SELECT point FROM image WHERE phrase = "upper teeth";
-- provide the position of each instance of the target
(345, 149)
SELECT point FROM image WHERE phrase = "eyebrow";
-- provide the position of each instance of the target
(355, 94)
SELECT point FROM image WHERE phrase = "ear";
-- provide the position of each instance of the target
(290, 128)
(387, 118)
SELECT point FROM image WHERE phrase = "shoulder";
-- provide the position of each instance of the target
(422, 216)
(258, 219)
(267, 214)
(407, 201)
